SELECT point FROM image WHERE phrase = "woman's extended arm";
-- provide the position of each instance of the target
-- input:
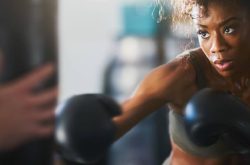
(168, 83)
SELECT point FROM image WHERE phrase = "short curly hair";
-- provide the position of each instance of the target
(182, 8)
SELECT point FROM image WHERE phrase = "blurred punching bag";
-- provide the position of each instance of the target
(28, 39)
(27, 34)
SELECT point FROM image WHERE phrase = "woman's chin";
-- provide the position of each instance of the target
(226, 74)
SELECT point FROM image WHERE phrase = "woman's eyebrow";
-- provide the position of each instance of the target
(229, 20)
(200, 25)
(222, 22)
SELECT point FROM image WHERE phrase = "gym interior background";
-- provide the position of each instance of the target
(89, 32)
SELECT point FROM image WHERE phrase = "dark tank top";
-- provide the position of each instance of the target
(201, 81)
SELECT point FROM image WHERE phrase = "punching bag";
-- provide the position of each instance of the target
(28, 39)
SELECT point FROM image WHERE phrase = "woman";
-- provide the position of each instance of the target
(221, 62)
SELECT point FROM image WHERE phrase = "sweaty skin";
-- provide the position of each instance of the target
(223, 32)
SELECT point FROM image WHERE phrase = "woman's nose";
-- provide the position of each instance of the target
(218, 44)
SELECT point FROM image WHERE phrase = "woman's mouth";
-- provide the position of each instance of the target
(223, 65)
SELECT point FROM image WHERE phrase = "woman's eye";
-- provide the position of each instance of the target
(203, 34)
(228, 30)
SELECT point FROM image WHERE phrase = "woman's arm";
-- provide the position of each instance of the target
(169, 83)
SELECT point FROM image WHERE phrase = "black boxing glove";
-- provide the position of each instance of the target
(84, 127)
(211, 113)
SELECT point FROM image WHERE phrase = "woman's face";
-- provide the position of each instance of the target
(224, 36)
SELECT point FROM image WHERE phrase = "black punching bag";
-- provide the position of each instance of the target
(28, 39)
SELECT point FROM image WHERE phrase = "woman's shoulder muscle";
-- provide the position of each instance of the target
(169, 80)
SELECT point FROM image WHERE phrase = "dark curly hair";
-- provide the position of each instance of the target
(182, 8)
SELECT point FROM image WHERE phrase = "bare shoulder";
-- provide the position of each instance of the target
(169, 80)
(178, 68)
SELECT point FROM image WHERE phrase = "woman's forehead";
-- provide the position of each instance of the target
(217, 10)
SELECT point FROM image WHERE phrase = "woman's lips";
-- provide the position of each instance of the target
(223, 65)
